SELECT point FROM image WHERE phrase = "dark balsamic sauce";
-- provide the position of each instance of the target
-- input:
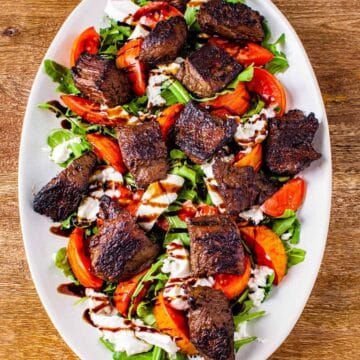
(71, 289)
(58, 230)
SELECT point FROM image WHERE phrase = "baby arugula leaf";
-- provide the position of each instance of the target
(61, 262)
(239, 343)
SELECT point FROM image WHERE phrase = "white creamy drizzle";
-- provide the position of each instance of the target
(104, 181)
(139, 32)
(133, 337)
(153, 90)
(62, 152)
(156, 199)
(257, 283)
(120, 10)
(254, 215)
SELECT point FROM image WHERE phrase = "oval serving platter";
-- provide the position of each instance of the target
(286, 302)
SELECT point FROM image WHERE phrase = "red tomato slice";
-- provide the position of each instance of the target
(150, 14)
(254, 158)
(88, 41)
(107, 148)
(246, 55)
(80, 262)
(92, 112)
(128, 59)
(205, 210)
(269, 88)
(234, 103)
(167, 118)
(134, 204)
(290, 196)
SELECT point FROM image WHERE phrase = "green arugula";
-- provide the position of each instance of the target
(145, 312)
(136, 105)
(190, 18)
(61, 262)
(239, 343)
(61, 75)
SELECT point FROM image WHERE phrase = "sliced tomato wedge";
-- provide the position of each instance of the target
(246, 55)
(254, 158)
(289, 197)
(92, 112)
(269, 88)
(167, 118)
(125, 290)
(135, 202)
(128, 59)
(107, 149)
(233, 285)
(187, 211)
(150, 14)
(79, 262)
(206, 210)
(234, 103)
(88, 41)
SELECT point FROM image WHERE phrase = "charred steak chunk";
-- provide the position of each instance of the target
(164, 43)
(109, 209)
(144, 152)
(211, 324)
(241, 187)
(288, 148)
(120, 249)
(62, 195)
(100, 80)
(208, 70)
(199, 134)
(234, 21)
(215, 246)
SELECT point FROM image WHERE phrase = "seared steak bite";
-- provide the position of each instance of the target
(100, 80)
(211, 324)
(109, 209)
(164, 43)
(234, 21)
(241, 187)
(199, 134)
(120, 249)
(288, 148)
(208, 70)
(62, 195)
(215, 246)
(144, 152)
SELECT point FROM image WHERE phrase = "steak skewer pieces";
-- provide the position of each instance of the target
(208, 70)
(144, 152)
(164, 43)
(211, 324)
(200, 135)
(288, 148)
(233, 21)
(62, 195)
(120, 249)
(100, 80)
(215, 246)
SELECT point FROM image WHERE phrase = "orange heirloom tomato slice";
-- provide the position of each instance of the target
(254, 158)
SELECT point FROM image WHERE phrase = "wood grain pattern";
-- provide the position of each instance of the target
(329, 328)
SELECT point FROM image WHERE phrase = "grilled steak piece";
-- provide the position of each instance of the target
(62, 195)
(164, 43)
(100, 80)
(178, 4)
(199, 134)
(288, 148)
(144, 152)
(215, 246)
(211, 324)
(234, 21)
(242, 187)
(208, 70)
(120, 249)
(109, 209)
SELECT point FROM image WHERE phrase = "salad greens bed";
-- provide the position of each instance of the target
(287, 227)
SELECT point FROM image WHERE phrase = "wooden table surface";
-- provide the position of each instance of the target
(329, 328)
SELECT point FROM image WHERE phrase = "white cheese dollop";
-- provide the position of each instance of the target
(139, 32)
(119, 10)
(156, 199)
(257, 283)
(254, 214)
(153, 90)
(209, 282)
(253, 131)
(107, 174)
(88, 209)
(241, 332)
(62, 152)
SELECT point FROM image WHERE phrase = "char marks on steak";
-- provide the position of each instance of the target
(199, 134)
(62, 195)
(234, 21)
(120, 249)
(144, 152)
(241, 188)
(100, 80)
(164, 43)
(211, 324)
(208, 70)
(288, 148)
(215, 246)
